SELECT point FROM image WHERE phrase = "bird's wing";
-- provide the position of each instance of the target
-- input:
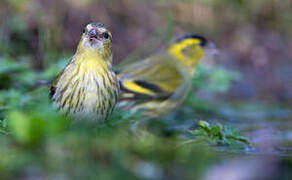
(155, 77)
(54, 84)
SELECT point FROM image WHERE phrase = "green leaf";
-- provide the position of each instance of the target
(24, 128)
(218, 134)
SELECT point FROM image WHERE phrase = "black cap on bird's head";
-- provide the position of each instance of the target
(203, 40)
(188, 49)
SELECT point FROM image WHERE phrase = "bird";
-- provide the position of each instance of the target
(157, 85)
(88, 88)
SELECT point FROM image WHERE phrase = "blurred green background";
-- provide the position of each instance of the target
(246, 86)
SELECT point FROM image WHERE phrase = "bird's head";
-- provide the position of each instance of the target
(188, 48)
(97, 38)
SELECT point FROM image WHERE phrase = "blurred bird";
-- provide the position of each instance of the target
(158, 85)
(87, 87)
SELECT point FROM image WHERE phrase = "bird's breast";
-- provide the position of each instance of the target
(87, 90)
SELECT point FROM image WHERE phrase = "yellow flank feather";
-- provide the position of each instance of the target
(132, 86)
(158, 85)
(87, 87)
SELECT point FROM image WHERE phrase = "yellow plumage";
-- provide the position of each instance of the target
(159, 84)
(87, 87)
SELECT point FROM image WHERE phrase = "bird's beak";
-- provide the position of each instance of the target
(93, 34)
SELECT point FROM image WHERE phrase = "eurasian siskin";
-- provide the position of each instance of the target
(87, 87)
(158, 85)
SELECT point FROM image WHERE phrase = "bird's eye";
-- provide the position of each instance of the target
(83, 31)
(106, 35)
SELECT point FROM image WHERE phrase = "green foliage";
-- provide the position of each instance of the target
(51, 72)
(34, 135)
(214, 79)
(208, 83)
(218, 134)
(3, 127)
(33, 126)
(89, 154)
(15, 74)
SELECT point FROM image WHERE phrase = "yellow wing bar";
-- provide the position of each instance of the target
(134, 87)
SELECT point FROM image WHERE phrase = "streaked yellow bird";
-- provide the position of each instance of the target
(158, 85)
(87, 87)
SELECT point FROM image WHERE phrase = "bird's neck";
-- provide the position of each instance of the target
(89, 58)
